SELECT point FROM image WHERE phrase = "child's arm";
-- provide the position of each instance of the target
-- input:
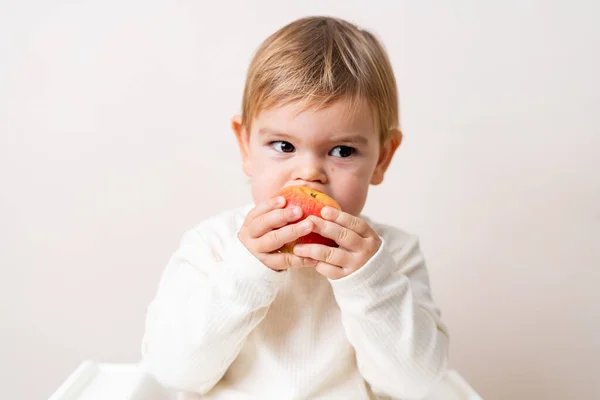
(207, 303)
(381, 285)
(203, 311)
(392, 322)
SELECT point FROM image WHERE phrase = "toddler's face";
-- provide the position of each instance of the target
(331, 150)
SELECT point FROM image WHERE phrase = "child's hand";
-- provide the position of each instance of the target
(357, 240)
(265, 230)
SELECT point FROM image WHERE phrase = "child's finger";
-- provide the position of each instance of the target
(330, 255)
(272, 220)
(283, 261)
(275, 239)
(346, 220)
(343, 236)
(264, 207)
(330, 271)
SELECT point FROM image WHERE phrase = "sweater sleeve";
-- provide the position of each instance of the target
(204, 309)
(392, 322)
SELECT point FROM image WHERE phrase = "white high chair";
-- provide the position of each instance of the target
(98, 381)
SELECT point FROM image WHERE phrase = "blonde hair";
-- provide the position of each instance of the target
(316, 61)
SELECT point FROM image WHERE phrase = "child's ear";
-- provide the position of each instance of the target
(385, 156)
(243, 139)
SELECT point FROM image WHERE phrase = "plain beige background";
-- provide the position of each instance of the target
(114, 139)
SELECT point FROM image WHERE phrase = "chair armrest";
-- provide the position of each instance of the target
(98, 381)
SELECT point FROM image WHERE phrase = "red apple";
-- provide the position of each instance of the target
(311, 202)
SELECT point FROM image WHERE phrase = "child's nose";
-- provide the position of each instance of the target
(310, 169)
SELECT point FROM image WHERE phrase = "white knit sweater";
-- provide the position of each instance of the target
(225, 326)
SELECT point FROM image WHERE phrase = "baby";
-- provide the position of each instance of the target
(234, 318)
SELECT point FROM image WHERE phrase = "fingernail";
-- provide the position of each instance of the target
(280, 201)
(327, 212)
(297, 211)
(297, 249)
(305, 225)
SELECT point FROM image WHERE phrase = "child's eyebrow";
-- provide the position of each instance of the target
(355, 139)
(268, 131)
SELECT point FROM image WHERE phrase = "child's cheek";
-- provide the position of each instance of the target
(356, 168)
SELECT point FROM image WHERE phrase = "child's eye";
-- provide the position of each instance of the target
(283, 147)
(342, 151)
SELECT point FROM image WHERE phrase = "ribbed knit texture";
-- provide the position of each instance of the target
(225, 326)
